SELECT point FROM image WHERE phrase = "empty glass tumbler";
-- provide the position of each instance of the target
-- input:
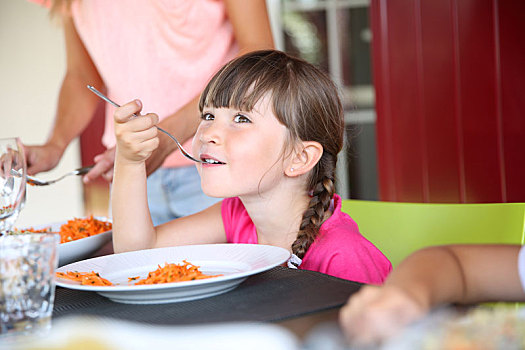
(27, 282)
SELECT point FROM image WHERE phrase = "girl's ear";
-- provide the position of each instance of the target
(304, 158)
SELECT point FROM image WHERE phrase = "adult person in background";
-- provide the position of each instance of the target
(161, 51)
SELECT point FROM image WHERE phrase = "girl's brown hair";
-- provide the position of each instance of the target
(306, 101)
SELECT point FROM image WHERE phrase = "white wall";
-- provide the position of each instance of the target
(32, 61)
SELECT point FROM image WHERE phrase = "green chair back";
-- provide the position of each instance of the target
(398, 229)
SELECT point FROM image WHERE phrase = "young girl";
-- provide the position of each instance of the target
(271, 127)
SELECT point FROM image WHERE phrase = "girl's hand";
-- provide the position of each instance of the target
(377, 313)
(136, 136)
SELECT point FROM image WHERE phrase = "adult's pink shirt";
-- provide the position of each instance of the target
(162, 52)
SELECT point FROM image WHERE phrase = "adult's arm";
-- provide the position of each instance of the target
(76, 105)
(251, 27)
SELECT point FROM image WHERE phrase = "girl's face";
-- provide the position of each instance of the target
(245, 150)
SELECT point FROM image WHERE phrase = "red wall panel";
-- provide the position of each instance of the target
(478, 111)
(406, 131)
(381, 76)
(449, 126)
(438, 99)
(511, 16)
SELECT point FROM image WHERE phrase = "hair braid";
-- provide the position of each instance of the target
(323, 189)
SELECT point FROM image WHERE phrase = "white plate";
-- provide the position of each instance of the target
(81, 248)
(234, 261)
(78, 332)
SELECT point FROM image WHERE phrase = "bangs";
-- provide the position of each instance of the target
(243, 82)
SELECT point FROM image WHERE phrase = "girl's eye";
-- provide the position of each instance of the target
(207, 116)
(239, 118)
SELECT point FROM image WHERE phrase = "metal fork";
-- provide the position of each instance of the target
(31, 180)
(182, 150)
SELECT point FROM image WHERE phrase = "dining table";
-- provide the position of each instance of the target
(280, 308)
(296, 300)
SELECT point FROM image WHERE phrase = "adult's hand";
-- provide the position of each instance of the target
(375, 314)
(103, 167)
(42, 158)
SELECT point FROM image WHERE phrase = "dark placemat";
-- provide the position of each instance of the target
(274, 295)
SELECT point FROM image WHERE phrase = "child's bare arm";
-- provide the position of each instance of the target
(204, 227)
(136, 139)
(428, 278)
(491, 273)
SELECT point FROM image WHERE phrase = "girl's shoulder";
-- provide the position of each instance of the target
(340, 235)
(340, 222)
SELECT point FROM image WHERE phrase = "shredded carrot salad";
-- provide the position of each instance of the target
(81, 228)
(85, 278)
(169, 273)
(175, 273)
(77, 228)
(33, 230)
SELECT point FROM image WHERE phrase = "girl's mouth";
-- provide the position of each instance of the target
(210, 160)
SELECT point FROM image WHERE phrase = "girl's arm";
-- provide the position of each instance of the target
(429, 278)
(76, 104)
(132, 225)
(136, 139)
(252, 31)
(204, 227)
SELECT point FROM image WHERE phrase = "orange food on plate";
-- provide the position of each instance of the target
(77, 228)
(85, 278)
(169, 273)
(81, 228)
(175, 273)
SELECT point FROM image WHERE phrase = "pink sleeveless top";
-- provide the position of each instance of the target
(162, 52)
(339, 250)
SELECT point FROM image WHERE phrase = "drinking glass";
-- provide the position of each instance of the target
(12, 182)
(27, 283)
